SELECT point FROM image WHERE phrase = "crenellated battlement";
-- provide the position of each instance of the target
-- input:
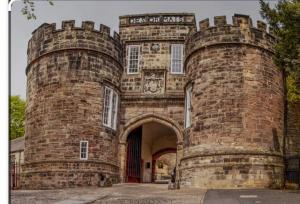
(81, 90)
(47, 38)
(240, 31)
(69, 25)
(240, 20)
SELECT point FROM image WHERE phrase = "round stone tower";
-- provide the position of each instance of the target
(236, 131)
(68, 71)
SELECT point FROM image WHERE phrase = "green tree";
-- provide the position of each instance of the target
(17, 117)
(284, 20)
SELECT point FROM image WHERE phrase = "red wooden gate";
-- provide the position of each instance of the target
(133, 167)
(14, 175)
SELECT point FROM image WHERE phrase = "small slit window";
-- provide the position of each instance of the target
(176, 59)
(188, 107)
(84, 150)
(110, 109)
(133, 59)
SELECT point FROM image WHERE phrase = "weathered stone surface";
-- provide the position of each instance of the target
(153, 92)
(236, 134)
(65, 81)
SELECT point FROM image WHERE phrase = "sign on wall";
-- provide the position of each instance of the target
(156, 19)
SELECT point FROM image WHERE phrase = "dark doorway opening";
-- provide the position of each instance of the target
(133, 164)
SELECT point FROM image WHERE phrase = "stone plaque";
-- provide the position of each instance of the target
(154, 82)
(156, 19)
(138, 20)
(155, 47)
(173, 19)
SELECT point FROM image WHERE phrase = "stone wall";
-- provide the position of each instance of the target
(236, 135)
(155, 39)
(154, 33)
(66, 74)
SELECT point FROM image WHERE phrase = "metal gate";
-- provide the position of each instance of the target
(14, 175)
(292, 171)
(133, 167)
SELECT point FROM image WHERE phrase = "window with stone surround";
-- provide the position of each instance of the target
(176, 59)
(110, 108)
(188, 107)
(84, 150)
(133, 59)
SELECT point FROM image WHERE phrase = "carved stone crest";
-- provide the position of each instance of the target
(154, 82)
(155, 47)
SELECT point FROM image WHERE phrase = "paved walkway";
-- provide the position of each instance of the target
(152, 194)
(252, 197)
(118, 194)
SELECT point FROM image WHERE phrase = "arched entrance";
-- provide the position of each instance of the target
(143, 138)
(156, 156)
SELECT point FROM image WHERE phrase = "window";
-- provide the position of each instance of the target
(176, 59)
(110, 108)
(133, 59)
(84, 147)
(188, 107)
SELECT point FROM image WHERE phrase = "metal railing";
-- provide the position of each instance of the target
(14, 174)
(292, 171)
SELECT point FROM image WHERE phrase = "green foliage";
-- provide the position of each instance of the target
(284, 20)
(298, 153)
(28, 9)
(293, 93)
(17, 117)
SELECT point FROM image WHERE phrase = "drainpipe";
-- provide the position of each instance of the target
(285, 117)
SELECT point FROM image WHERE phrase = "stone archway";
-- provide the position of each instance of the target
(139, 121)
(157, 154)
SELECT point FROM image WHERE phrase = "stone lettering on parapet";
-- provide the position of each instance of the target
(156, 19)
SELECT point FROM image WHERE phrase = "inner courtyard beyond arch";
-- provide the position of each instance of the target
(144, 145)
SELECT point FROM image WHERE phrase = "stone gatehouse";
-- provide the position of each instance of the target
(102, 106)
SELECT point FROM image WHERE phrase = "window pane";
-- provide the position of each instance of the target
(106, 106)
(113, 110)
(133, 60)
(177, 58)
(83, 149)
(110, 108)
(188, 107)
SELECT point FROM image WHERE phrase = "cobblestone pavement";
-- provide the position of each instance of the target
(118, 194)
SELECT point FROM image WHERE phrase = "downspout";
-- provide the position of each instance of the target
(285, 117)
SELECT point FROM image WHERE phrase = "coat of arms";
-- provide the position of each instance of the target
(154, 83)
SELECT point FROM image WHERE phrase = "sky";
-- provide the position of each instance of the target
(105, 12)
